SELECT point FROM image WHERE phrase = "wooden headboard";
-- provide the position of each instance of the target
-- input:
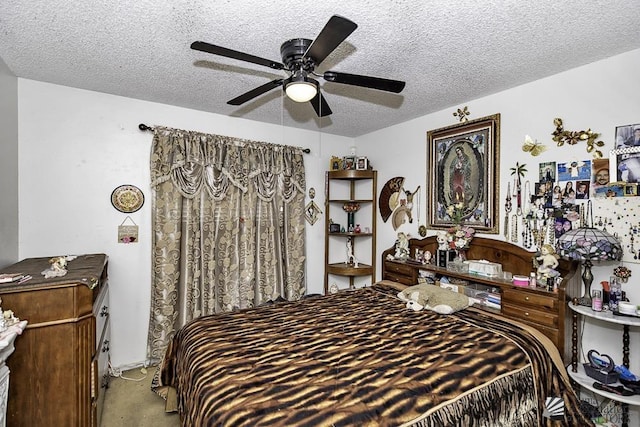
(545, 310)
(513, 258)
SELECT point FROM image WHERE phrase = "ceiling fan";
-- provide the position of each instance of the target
(300, 57)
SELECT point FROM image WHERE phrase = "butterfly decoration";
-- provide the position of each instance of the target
(533, 147)
(462, 114)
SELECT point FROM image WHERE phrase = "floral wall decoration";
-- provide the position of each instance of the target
(562, 136)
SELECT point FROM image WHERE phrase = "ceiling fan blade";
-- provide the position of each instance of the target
(255, 92)
(379, 83)
(320, 105)
(234, 54)
(336, 30)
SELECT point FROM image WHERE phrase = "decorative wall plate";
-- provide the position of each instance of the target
(127, 198)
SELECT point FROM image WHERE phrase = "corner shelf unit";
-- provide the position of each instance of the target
(356, 181)
(576, 370)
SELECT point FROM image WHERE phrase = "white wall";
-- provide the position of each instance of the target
(8, 166)
(599, 96)
(76, 146)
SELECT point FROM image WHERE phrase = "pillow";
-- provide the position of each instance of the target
(434, 298)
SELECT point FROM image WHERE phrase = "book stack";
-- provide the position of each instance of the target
(14, 278)
(493, 300)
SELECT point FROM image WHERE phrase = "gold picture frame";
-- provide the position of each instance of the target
(463, 171)
(335, 163)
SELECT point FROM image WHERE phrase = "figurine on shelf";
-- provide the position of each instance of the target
(351, 258)
(547, 262)
(402, 246)
(423, 256)
(443, 241)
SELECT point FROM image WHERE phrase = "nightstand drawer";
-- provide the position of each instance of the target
(530, 299)
(403, 269)
(530, 315)
(388, 275)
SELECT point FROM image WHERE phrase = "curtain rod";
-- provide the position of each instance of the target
(144, 127)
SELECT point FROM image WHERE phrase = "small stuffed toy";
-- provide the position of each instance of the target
(443, 241)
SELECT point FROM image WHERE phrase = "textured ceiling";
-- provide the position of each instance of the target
(448, 52)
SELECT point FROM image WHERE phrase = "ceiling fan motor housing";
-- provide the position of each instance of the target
(293, 51)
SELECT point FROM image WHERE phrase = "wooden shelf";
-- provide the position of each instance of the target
(351, 174)
(344, 269)
(364, 193)
(586, 381)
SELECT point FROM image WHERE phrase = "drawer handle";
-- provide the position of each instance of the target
(526, 313)
(105, 346)
(104, 311)
(526, 298)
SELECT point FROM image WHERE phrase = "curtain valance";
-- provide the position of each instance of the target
(194, 160)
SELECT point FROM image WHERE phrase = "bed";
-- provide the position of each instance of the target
(361, 358)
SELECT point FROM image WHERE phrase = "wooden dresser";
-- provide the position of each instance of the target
(60, 367)
(545, 310)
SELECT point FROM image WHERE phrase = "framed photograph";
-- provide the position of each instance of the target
(628, 136)
(631, 190)
(362, 163)
(624, 164)
(547, 171)
(574, 170)
(349, 162)
(463, 175)
(335, 164)
(582, 189)
(600, 177)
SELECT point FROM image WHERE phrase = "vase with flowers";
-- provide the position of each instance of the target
(459, 236)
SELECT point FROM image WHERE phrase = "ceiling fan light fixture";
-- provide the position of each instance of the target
(301, 88)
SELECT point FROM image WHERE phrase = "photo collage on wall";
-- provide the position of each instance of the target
(564, 186)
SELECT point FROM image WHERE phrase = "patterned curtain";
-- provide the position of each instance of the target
(228, 228)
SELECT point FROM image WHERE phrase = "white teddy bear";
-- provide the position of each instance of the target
(443, 240)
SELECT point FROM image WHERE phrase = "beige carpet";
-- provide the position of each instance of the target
(132, 403)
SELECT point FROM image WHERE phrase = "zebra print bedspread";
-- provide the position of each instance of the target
(360, 358)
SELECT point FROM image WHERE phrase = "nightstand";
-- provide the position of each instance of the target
(576, 370)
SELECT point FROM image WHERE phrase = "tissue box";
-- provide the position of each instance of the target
(485, 268)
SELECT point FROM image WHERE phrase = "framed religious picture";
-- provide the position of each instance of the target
(463, 175)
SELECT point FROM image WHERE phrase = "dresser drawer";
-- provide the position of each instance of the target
(101, 313)
(544, 318)
(530, 299)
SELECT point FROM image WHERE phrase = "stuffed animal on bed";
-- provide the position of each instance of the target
(434, 298)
